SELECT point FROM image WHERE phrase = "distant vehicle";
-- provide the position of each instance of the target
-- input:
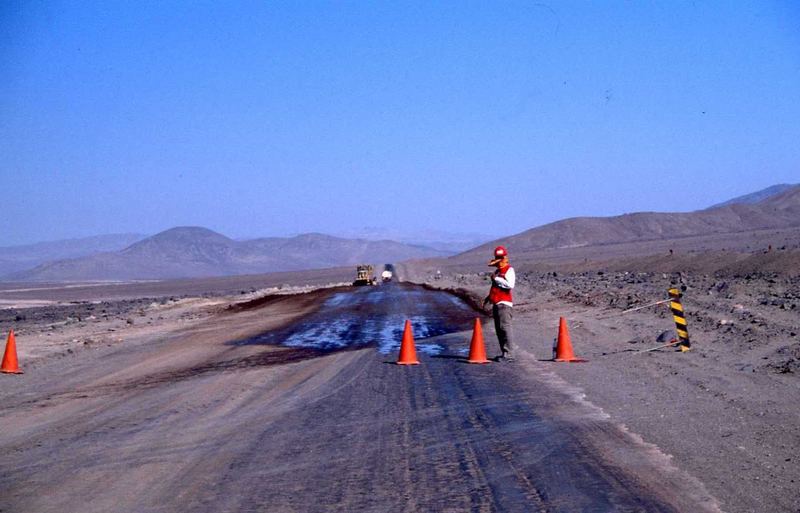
(364, 276)
(388, 273)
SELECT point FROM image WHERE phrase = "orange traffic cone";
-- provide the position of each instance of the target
(408, 355)
(477, 349)
(564, 347)
(10, 365)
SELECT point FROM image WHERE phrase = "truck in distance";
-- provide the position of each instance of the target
(364, 276)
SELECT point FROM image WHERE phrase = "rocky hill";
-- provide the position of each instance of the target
(191, 252)
(778, 211)
(758, 196)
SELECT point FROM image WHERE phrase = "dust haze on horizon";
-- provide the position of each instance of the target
(277, 119)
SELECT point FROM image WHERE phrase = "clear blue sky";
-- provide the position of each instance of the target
(276, 118)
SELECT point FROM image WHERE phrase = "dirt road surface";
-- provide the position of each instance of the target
(294, 404)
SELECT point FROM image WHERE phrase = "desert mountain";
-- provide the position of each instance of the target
(18, 258)
(445, 241)
(777, 211)
(756, 197)
(188, 252)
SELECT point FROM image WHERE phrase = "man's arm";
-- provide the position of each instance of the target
(508, 282)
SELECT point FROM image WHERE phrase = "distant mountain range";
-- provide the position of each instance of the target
(436, 239)
(191, 252)
(19, 258)
(776, 210)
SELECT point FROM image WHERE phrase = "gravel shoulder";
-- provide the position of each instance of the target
(62, 321)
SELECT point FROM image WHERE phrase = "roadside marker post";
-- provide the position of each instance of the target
(680, 319)
(682, 342)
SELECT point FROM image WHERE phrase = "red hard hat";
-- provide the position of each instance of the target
(500, 252)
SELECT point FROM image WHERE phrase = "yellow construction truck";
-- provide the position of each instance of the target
(364, 276)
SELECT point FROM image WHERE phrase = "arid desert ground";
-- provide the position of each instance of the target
(723, 415)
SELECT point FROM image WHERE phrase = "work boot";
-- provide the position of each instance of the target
(505, 357)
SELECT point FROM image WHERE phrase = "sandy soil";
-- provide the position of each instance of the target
(64, 320)
(726, 411)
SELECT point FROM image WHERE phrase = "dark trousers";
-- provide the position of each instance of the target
(503, 314)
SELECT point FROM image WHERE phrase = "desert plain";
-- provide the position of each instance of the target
(723, 415)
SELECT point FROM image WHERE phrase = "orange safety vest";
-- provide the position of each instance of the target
(496, 294)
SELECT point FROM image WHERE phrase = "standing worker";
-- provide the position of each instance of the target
(503, 280)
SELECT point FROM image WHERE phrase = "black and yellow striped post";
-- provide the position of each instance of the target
(680, 319)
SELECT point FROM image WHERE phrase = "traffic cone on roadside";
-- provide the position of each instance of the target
(477, 349)
(408, 354)
(564, 346)
(10, 364)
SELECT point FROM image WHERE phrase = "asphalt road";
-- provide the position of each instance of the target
(314, 416)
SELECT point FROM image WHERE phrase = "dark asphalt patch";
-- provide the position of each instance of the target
(265, 359)
(375, 317)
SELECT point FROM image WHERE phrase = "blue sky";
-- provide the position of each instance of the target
(276, 118)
